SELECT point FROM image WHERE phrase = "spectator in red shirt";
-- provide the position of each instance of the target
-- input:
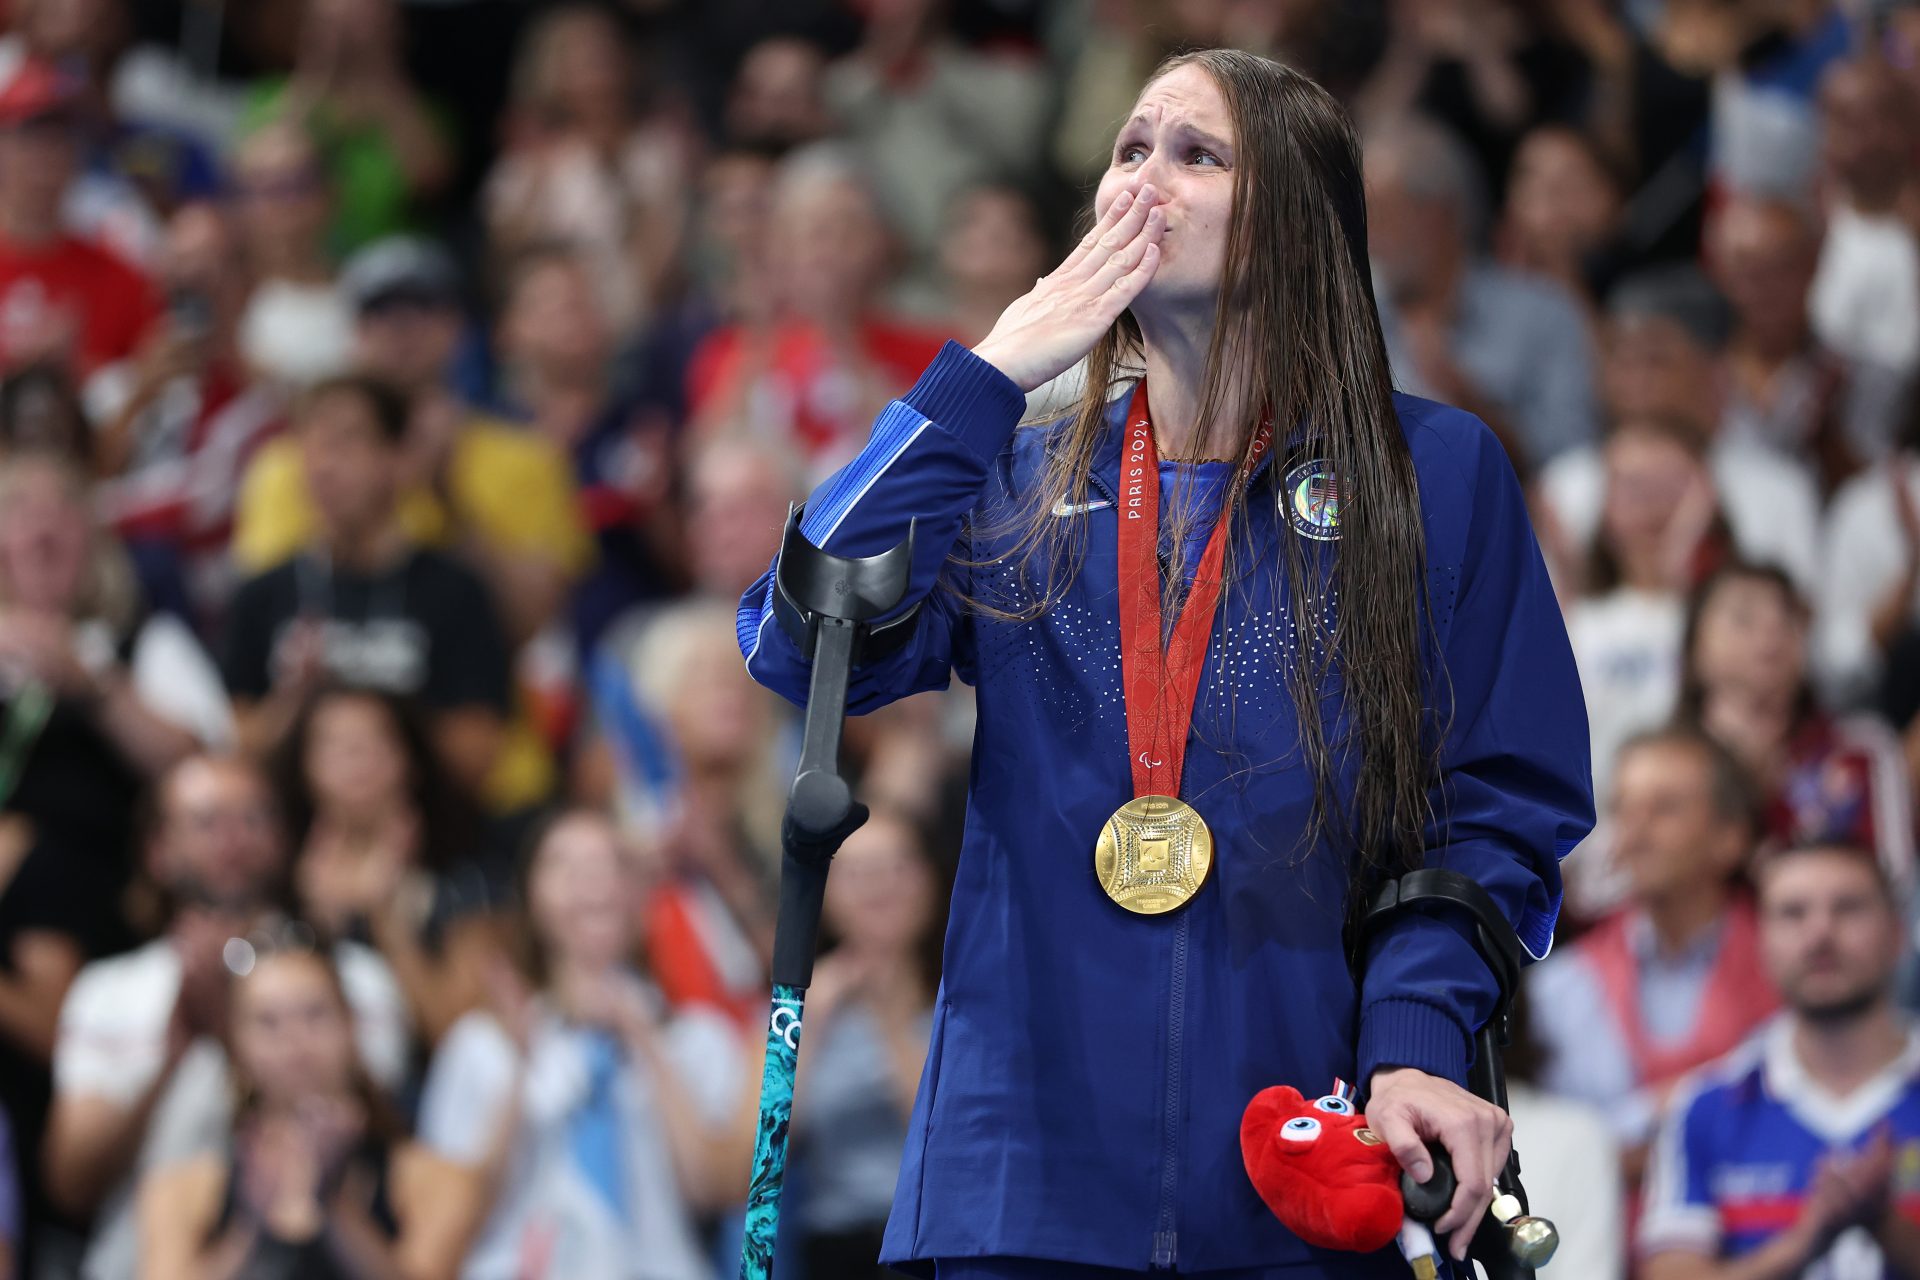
(817, 375)
(60, 297)
(1824, 778)
(178, 423)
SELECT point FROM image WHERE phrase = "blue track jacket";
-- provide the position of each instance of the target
(1082, 1095)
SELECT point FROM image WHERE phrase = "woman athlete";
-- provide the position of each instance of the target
(1250, 633)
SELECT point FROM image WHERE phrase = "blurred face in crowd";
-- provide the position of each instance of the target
(355, 761)
(46, 536)
(1752, 638)
(1829, 933)
(357, 28)
(1648, 471)
(1652, 367)
(1866, 118)
(736, 199)
(62, 29)
(1180, 139)
(830, 247)
(1560, 202)
(200, 257)
(407, 341)
(736, 507)
(1762, 254)
(350, 464)
(218, 841)
(777, 95)
(732, 225)
(881, 894)
(41, 412)
(579, 76)
(37, 162)
(282, 192)
(581, 894)
(1670, 840)
(292, 1031)
(555, 325)
(1414, 239)
(993, 247)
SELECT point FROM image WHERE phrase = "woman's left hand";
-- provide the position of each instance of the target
(1407, 1108)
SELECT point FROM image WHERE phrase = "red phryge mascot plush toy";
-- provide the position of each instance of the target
(1328, 1177)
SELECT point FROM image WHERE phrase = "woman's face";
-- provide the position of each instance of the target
(586, 73)
(1647, 474)
(282, 190)
(1751, 637)
(830, 247)
(881, 892)
(292, 1035)
(356, 762)
(1560, 201)
(581, 892)
(44, 540)
(1181, 140)
(555, 323)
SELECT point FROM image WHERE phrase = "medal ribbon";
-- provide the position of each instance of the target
(1160, 685)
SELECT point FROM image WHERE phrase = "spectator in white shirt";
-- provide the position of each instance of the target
(602, 1123)
(1786, 391)
(140, 1074)
(1663, 355)
(1660, 531)
(1866, 292)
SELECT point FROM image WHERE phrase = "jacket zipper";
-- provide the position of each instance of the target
(1166, 1236)
(1099, 482)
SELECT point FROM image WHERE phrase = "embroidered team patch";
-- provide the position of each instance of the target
(1312, 498)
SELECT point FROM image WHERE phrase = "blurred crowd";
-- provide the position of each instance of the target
(396, 397)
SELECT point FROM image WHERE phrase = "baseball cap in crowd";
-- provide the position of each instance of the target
(36, 91)
(400, 269)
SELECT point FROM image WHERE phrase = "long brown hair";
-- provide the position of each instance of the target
(285, 940)
(1296, 319)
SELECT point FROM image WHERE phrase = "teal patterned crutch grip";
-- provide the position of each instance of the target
(770, 1139)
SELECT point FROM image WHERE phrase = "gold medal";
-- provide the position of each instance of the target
(1153, 854)
(1155, 851)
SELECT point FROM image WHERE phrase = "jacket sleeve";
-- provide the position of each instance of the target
(928, 458)
(1515, 792)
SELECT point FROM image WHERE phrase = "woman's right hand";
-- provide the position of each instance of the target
(1045, 332)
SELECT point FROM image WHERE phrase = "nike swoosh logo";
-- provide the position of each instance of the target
(1065, 508)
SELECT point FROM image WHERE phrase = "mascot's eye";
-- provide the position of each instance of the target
(1300, 1129)
(1336, 1104)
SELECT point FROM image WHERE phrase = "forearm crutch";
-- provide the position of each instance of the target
(1509, 1243)
(827, 605)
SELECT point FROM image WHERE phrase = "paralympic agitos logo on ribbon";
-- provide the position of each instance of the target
(1311, 497)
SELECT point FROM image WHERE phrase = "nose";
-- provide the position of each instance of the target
(1156, 169)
